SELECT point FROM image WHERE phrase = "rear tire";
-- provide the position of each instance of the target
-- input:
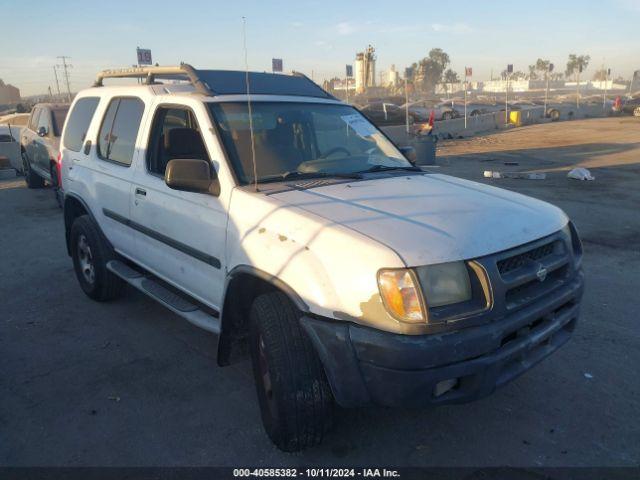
(554, 115)
(55, 185)
(295, 399)
(90, 255)
(32, 179)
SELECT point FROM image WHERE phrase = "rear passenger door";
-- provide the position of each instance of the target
(109, 165)
(39, 152)
(180, 235)
(29, 134)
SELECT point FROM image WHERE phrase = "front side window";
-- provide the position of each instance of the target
(79, 121)
(301, 138)
(44, 121)
(119, 130)
(33, 121)
(175, 134)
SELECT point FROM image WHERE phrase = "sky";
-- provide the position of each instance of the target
(316, 37)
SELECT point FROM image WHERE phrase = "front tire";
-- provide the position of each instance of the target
(90, 255)
(636, 112)
(295, 399)
(31, 178)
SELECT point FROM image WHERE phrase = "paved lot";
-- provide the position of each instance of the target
(129, 383)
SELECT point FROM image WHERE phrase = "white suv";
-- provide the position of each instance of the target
(264, 210)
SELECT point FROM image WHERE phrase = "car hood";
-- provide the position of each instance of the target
(431, 218)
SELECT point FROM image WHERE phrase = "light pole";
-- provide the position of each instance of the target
(604, 95)
(546, 91)
(578, 87)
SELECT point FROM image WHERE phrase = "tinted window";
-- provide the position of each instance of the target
(78, 123)
(119, 130)
(58, 117)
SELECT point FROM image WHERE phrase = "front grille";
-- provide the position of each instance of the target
(528, 273)
(510, 264)
(533, 289)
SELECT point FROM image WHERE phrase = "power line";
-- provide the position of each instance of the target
(66, 66)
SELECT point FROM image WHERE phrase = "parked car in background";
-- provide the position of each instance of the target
(631, 106)
(475, 107)
(40, 145)
(382, 114)
(421, 110)
(9, 146)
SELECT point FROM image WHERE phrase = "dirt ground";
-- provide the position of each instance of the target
(128, 383)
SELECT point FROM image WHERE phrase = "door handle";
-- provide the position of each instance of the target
(87, 147)
(140, 191)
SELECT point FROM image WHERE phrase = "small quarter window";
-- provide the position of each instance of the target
(117, 138)
(78, 124)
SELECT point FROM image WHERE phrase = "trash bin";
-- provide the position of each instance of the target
(425, 147)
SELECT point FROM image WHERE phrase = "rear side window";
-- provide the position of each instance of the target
(78, 123)
(119, 130)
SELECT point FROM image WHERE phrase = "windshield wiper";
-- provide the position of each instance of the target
(384, 168)
(294, 174)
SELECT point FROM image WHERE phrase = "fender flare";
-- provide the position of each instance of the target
(84, 204)
(269, 278)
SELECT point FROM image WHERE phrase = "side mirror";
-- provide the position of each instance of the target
(42, 132)
(192, 175)
(410, 153)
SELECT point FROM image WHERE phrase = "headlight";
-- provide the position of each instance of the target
(445, 283)
(570, 231)
(401, 295)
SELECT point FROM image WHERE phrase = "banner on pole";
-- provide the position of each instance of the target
(408, 73)
(349, 71)
(144, 56)
(276, 65)
(468, 71)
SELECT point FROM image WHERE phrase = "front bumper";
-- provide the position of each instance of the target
(368, 366)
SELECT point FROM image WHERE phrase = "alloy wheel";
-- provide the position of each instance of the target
(85, 259)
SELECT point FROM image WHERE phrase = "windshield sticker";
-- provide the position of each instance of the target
(359, 125)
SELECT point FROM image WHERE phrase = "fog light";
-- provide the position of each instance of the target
(444, 386)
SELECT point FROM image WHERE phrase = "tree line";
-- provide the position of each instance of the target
(434, 68)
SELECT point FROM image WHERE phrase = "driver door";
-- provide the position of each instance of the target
(180, 235)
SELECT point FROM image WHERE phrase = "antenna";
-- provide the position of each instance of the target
(246, 69)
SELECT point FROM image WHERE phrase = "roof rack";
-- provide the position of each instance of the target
(223, 82)
(152, 73)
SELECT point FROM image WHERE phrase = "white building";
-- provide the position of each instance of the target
(365, 69)
(500, 86)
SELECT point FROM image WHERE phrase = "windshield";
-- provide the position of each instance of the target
(302, 139)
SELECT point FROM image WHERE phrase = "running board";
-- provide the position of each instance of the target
(174, 302)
